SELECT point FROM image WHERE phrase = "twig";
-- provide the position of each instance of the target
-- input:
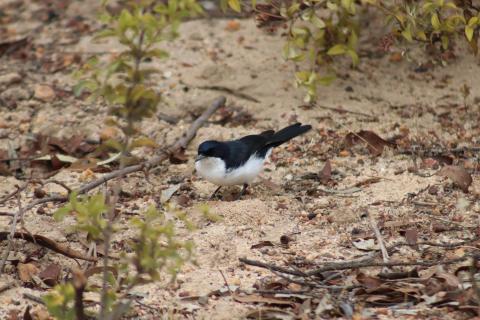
(33, 298)
(7, 286)
(380, 241)
(226, 283)
(60, 183)
(11, 235)
(79, 282)
(180, 144)
(434, 244)
(364, 263)
(271, 267)
(343, 192)
(374, 118)
(233, 92)
(369, 264)
(10, 195)
(48, 243)
(6, 214)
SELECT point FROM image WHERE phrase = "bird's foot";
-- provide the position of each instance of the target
(212, 197)
(243, 192)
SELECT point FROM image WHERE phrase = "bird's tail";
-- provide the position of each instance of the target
(287, 133)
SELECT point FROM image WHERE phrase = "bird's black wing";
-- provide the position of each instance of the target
(240, 150)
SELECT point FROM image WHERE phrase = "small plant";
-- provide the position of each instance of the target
(322, 31)
(123, 84)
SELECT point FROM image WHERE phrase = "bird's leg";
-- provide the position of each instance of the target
(243, 192)
(215, 192)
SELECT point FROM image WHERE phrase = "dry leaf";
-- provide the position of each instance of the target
(375, 143)
(26, 271)
(232, 25)
(458, 175)
(178, 156)
(50, 274)
(326, 173)
(365, 245)
(262, 244)
(168, 193)
(412, 236)
(253, 298)
(368, 281)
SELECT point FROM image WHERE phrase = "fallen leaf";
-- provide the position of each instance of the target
(50, 274)
(375, 143)
(44, 93)
(109, 133)
(12, 45)
(26, 314)
(412, 236)
(253, 298)
(273, 314)
(178, 157)
(458, 175)
(168, 193)
(368, 281)
(26, 271)
(262, 244)
(395, 57)
(450, 280)
(60, 157)
(183, 200)
(232, 25)
(365, 245)
(326, 173)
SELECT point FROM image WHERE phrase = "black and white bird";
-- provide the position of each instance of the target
(238, 162)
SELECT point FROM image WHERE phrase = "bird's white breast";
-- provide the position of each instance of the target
(214, 170)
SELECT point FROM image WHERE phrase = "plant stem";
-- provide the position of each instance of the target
(107, 234)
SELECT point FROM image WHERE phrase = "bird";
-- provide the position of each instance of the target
(238, 162)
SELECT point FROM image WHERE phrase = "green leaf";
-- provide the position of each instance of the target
(436, 24)
(317, 22)
(144, 142)
(445, 42)
(60, 213)
(469, 33)
(337, 49)
(407, 33)
(354, 56)
(125, 20)
(326, 80)
(473, 21)
(235, 5)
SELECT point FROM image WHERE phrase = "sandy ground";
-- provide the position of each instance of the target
(248, 60)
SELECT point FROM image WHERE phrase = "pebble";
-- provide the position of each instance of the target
(15, 93)
(44, 93)
(10, 78)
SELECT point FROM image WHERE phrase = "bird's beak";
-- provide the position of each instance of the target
(199, 157)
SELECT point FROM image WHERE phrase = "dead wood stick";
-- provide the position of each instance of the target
(381, 243)
(331, 266)
(7, 286)
(48, 243)
(340, 110)
(10, 235)
(271, 267)
(33, 298)
(180, 144)
(235, 93)
(335, 266)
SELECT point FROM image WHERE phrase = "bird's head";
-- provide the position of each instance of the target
(212, 149)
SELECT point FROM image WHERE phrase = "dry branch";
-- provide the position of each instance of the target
(336, 266)
(11, 235)
(48, 243)
(180, 144)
